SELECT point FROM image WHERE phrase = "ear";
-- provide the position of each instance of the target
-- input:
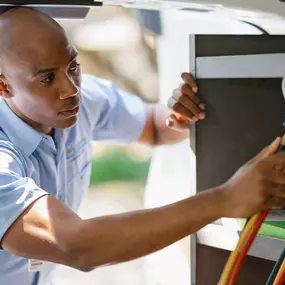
(4, 90)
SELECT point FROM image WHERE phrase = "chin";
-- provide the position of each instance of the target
(66, 124)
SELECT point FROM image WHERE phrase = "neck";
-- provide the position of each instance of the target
(38, 127)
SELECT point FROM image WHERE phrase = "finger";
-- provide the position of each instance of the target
(171, 102)
(275, 203)
(269, 150)
(191, 106)
(180, 118)
(177, 94)
(188, 78)
(186, 90)
(277, 160)
(277, 190)
(180, 109)
(275, 177)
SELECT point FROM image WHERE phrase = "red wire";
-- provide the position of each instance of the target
(246, 248)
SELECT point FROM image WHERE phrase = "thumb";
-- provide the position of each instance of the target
(176, 124)
(270, 149)
(171, 121)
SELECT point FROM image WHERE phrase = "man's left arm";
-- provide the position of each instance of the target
(170, 124)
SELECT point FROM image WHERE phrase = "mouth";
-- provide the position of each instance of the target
(70, 112)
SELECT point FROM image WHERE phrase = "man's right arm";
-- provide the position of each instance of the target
(48, 230)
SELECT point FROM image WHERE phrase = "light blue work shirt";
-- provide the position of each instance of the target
(33, 164)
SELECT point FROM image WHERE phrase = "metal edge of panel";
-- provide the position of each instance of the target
(192, 70)
(193, 238)
(221, 237)
(241, 66)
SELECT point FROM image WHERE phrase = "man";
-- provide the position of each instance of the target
(48, 119)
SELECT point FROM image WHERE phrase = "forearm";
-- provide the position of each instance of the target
(162, 133)
(119, 238)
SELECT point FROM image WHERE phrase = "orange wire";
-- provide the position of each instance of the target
(246, 247)
(280, 278)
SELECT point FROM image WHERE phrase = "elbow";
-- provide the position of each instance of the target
(77, 254)
(85, 268)
(78, 260)
(83, 252)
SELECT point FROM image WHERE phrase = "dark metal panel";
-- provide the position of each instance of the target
(65, 12)
(54, 2)
(243, 115)
(57, 9)
(213, 45)
(211, 261)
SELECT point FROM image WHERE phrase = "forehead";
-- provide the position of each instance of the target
(41, 53)
(33, 41)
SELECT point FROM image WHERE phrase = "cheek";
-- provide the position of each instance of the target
(39, 103)
(77, 79)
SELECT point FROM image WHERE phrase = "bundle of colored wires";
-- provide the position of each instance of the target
(247, 246)
(237, 257)
(247, 237)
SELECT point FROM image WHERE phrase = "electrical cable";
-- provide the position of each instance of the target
(247, 237)
(234, 255)
(276, 268)
(280, 278)
(264, 32)
(247, 246)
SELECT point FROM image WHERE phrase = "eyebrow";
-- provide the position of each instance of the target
(53, 69)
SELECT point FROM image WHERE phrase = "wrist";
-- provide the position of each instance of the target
(220, 198)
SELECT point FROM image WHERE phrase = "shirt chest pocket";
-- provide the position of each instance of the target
(78, 158)
(77, 175)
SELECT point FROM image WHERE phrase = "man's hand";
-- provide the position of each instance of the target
(258, 185)
(185, 105)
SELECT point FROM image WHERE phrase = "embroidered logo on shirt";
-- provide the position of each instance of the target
(74, 151)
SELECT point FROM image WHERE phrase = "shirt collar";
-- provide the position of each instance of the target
(19, 133)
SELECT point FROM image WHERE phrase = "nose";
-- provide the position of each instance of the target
(68, 89)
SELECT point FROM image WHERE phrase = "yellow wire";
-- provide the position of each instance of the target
(234, 255)
(279, 274)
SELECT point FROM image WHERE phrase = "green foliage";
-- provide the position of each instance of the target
(118, 165)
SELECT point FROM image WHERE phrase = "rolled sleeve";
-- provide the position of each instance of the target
(116, 114)
(17, 193)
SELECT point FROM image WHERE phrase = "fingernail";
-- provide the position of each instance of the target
(202, 116)
(169, 122)
(195, 89)
(202, 106)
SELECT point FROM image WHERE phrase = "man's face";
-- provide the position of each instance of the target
(43, 79)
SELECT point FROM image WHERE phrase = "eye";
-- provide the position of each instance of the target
(48, 79)
(74, 66)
